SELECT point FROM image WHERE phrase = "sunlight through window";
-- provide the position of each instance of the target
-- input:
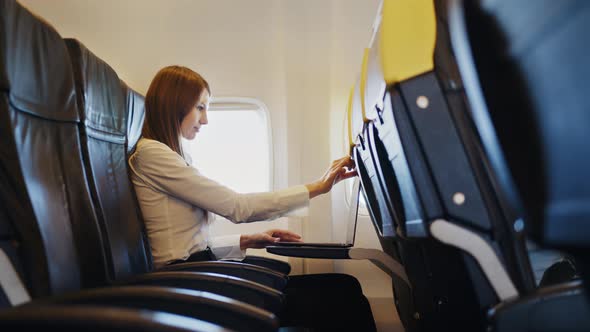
(234, 148)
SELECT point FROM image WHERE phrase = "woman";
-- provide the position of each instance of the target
(176, 202)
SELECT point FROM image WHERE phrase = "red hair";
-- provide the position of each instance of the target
(174, 91)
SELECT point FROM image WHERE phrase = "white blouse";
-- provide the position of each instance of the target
(175, 200)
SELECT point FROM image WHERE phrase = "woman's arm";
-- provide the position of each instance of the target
(164, 170)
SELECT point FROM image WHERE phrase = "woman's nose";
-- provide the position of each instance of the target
(203, 120)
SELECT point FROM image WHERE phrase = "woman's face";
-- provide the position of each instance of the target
(196, 117)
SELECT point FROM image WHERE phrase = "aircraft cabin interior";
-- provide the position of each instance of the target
(283, 165)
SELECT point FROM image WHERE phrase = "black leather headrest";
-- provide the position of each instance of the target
(101, 97)
(534, 66)
(135, 117)
(35, 67)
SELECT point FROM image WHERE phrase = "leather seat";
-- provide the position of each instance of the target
(98, 319)
(526, 85)
(48, 202)
(40, 105)
(440, 212)
(103, 100)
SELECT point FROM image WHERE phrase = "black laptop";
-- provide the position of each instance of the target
(351, 225)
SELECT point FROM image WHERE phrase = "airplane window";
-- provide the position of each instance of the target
(234, 148)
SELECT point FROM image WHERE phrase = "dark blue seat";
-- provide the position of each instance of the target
(435, 204)
(525, 66)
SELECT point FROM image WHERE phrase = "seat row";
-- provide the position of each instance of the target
(456, 180)
(468, 139)
(71, 231)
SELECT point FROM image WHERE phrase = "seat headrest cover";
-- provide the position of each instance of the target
(102, 99)
(534, 83)
(135, 117)
(35, 67)
(407, 38)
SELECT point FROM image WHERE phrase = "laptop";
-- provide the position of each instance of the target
(351, 225)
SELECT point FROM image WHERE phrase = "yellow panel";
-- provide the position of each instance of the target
(349, 115)
(364, 83)
(408, 34)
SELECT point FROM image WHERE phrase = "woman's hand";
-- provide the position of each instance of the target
(261, 240)
(340, 169)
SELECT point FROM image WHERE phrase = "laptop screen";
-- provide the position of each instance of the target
(353, 212)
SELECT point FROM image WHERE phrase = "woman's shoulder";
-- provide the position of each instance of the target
(154, 158)
(145, 144)
(148, 149)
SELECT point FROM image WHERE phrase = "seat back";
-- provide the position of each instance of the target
(105, 104)
(135, 118)
(528, 94)
(44, 191)
(538, 109)
(452, 227)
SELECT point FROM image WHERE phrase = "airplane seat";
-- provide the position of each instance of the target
(41, 110)
(102, 100)
(524, 69)
(431, 301)
(135, 114)
(454, 229)
(541, 259)
(511, 243)
(47, 198)
(536, 134)
(374, 200)
(100, 319)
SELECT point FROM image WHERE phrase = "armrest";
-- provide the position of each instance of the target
(250, 272)
(239, 289)
(561, 307)
(98, 319)
(269, 263)
(209, 307)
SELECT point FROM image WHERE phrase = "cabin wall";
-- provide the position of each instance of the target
(298, 57)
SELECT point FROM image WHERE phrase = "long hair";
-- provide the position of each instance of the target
(174, 91)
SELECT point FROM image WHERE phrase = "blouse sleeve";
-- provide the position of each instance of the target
(163, 169)
(227, 247)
